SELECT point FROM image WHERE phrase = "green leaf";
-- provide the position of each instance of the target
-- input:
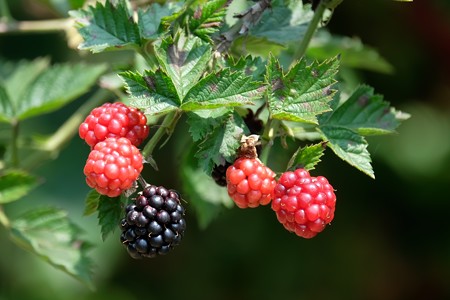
(224, 88)
(353, 53)
(149, 19)
(109, 214)
(307, 157)
(184, 60)
(6, 107)
(15, 184)
(48, 233)
(349, 146)
(107, 27)
(91, 203)
(253, 66)
(153, 92)
(282, 24)
(365, 113)
(304, 92)
(206, 197)
(221, 143)
(207, 19)
(202, 122)
(56, 87)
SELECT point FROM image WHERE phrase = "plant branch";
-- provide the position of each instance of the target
(246, 21)
(40, 26)
(312, 27)
(167, 127)
(66, 132)
(5, 14)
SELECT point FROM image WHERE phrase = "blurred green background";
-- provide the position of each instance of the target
(390, 238)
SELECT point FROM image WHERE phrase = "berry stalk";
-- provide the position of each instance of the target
(167, 127)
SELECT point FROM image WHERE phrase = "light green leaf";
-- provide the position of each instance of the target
(91, 203)
(107, 27)
(109, 214)
(207, 19)
(283, 24)
(349, 146)
(256, 46)
(6, 107)
(365, 113)
(202, 122)
(353, 53)
(307, 157)
(221, 144)
(304, 92)
(184, 60)
(57, 86)
(15, 184)
(153, 92)
(207, 198)
(48, 233)
(224, 88)
(150, 18)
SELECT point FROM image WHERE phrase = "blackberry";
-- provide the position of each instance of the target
(153, 223)
(219, 174)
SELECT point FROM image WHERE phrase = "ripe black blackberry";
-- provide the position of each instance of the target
(154, 222)
(219, 173)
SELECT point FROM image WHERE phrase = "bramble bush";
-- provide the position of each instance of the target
(237, 81)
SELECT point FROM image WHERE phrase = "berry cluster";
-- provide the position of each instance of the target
(114, 120)
(250, 182)
(304, 204)
(113, 131)
(154, 223)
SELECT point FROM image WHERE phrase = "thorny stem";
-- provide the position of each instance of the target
(65, 133)
(301, 50)
(3, 218)
(167, 127)
(246, 21)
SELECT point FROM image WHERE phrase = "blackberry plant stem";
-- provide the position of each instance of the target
(301, 50)
(167, 127)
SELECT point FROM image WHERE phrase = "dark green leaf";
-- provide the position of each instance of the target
(366, 113)
(349, 146)
(353, 52)
(57, 86)
(307, 157)
(221, 144)
(202, 122)
(150, 18)
(304, 92)
(207, 19)
(205, 196)
(224, 88)
(153, 92)
(107, 27)
(48, 233)
(109, 214)
(15, 184)
(253, 66)
(283, 24)
(184, 60)
(91, 203)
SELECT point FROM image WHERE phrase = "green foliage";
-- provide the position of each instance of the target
(15, 184)
(205, 196)
(207, 18)
(34, 88)
(149, 19)
(110, 211)
(48, 233)
(303, 92)
(307, 157)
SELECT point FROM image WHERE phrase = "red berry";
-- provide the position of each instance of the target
(250, 183)
(304, 204)
(114, 120)
(112, 166)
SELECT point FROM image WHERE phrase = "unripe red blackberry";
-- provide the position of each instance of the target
(114, 120)
(304, 204)
(112, 166)
(250, 183)
(154, 223)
